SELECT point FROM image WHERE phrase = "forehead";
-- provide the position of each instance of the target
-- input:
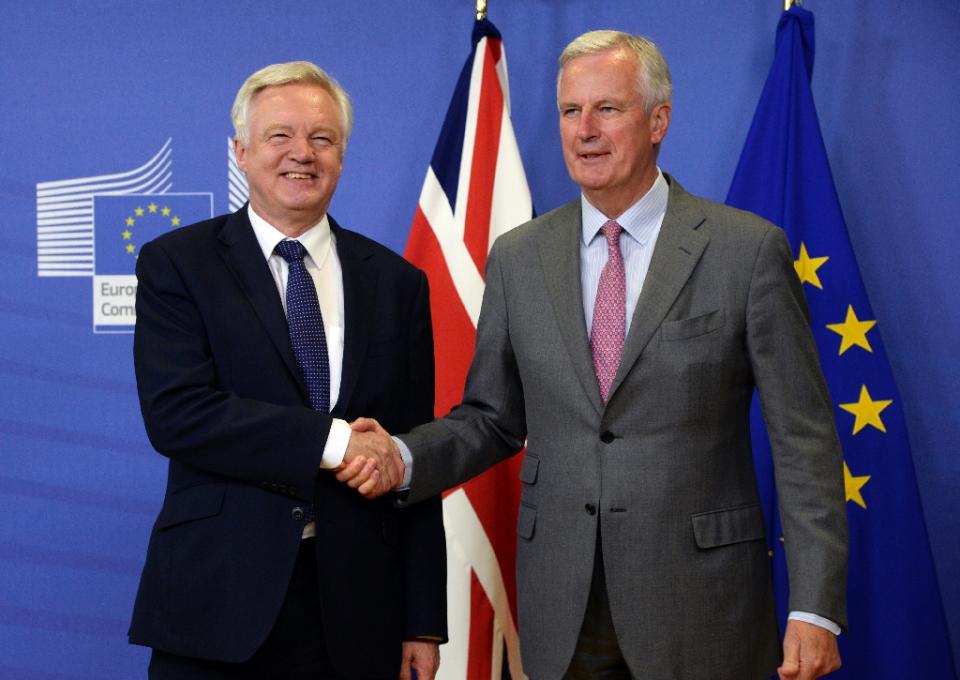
(293, 103)
(612, 73)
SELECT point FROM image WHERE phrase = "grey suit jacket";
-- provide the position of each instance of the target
(665, 466)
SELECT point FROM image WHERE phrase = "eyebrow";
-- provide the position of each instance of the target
(284, 127)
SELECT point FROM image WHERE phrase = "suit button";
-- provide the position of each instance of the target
(607, 437)
(590, 508)
(297, 514)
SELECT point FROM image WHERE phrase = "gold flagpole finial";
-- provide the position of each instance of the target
(787, 4)
(481, 10)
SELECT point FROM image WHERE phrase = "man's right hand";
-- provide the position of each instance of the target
(372, 464)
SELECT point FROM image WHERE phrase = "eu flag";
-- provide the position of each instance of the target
(124, 222)
(897, 625)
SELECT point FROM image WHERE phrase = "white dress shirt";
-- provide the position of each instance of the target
(322, 263)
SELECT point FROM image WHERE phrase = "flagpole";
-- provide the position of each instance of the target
(787, 4)
(481, 10)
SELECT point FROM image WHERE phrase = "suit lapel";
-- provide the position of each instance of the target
(359, 293)
(243, 257)
(560, 262)
(677, 251)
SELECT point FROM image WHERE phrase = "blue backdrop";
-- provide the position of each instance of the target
(90, 94)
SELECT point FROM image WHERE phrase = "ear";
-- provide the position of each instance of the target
(241, 153)
(659, 122)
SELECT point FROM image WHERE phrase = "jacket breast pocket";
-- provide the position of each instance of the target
(192, 503)
(692, 327)
(728, 526)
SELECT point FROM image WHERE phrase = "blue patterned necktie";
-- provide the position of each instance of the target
(306, 326)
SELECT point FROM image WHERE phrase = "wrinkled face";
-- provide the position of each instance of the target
(609, 141)
(294, 156)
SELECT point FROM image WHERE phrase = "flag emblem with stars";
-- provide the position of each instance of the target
(892, 584)
(124, 223)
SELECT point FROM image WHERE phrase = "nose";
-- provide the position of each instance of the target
(300, 150)
(586, 126)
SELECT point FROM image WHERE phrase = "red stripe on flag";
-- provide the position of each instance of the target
(453, 332)
(486, 147)
(479, 657)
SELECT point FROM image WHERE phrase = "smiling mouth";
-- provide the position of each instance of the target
(297, 175)
(591, 156)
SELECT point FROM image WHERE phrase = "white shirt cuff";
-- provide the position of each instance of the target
(407, 464)
(815, 620)
(336, 446)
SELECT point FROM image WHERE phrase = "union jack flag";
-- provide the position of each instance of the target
(474, 191)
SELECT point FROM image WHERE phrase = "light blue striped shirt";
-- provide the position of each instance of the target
(641, 226)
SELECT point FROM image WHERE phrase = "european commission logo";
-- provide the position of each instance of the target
(93, 227)
(121, 225)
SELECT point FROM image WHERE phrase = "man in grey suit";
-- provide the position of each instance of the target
(622, 336)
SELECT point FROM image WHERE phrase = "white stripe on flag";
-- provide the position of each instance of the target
(463, 271)
(511, 205)
(469, 140)
(469, 548)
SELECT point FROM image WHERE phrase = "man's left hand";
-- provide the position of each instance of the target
(809, 652)
(422, 656)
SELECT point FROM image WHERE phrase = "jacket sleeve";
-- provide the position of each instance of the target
(489, 425)
(191, 413)
(799, 416)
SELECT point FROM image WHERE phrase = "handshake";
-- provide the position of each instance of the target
(372, 463)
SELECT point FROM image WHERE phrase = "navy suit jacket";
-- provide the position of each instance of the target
(223, 398)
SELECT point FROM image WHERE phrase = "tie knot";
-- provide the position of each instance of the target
(291, 251)
(611, 230)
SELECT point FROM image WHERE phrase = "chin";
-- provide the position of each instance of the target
(591, 184)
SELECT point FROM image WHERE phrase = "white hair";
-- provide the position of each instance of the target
(283, 74)
(655, 86)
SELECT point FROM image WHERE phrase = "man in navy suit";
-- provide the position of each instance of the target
(260, 564)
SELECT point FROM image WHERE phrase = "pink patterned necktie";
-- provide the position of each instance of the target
(609, 313)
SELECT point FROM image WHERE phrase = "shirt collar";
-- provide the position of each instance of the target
(316, 240)
(640, 220)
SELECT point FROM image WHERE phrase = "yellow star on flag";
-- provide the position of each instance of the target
(175, 221)
(126, 234)
(867, 411)
(853, 331)
(130, 248)
(165, 211)
(807, 267)
(131, 221)
(152, 207)
(852, 486)
(139, 211)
